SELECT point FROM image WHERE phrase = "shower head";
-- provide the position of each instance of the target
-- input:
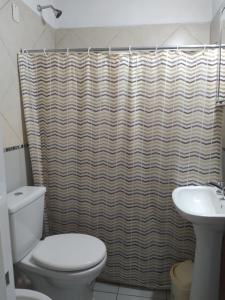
(57, 12)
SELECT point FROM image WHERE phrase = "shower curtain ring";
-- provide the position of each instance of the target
(67, 52)
(109, 50)
(25, 51)
(44, 50)
(204, 49)
(89, 48)
(156, 50)
(130, 52)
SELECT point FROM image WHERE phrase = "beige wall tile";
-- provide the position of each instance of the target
(30, 33)
(200, 31)
(11, 109)
(146, 35)
(152, 35)
(99, 37)
(124, 38)
(3, 3)
(19, 35)
(47, 37)
(181, 37)
(8, 73)
(72, 40)
(9, 135)
(18, 170)
(60, 34)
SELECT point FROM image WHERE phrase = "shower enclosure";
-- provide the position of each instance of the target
(111, 134)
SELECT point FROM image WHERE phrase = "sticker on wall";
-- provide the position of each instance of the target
(15, 13)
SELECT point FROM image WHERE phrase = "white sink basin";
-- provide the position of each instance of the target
(200, 204)
(205, 208)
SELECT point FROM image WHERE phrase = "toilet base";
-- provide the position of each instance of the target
(81, 292)
(61, 285)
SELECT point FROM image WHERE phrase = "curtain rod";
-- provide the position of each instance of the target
(118, 49)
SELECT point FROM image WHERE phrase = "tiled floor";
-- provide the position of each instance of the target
(105, 291)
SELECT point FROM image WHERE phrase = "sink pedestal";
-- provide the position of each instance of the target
(206, 273)
(203, 206)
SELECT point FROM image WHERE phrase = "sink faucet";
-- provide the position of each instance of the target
(220, 186)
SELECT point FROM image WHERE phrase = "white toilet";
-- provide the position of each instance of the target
(64, 266)
(29, 295)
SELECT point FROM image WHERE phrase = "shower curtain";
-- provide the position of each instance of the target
(110, 136)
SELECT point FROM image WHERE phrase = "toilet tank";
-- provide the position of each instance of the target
(26, 209)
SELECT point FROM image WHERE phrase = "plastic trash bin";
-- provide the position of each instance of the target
(181, 278)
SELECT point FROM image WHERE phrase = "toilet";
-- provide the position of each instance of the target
(64, 266)
(29, 295)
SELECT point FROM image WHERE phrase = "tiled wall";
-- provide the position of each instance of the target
(18, 169)
(148, 35)
(30, 33)
(215, 37)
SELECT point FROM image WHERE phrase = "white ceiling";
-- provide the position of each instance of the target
(90, 13)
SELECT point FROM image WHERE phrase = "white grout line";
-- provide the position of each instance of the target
(164, 297)
(131, 296)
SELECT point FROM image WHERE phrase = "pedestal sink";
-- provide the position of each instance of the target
(204, 206)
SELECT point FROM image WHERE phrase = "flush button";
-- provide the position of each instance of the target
(18, 193)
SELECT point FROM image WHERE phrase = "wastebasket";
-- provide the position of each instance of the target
(181, 278)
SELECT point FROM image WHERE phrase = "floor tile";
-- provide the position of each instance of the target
(158, 295)
(106, 287)
(168, 295)
(129, 297)
(134, 292)
(104, 296)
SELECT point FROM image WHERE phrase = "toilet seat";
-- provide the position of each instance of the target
(69, 252)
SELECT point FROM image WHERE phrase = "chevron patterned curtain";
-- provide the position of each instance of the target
(111, 136)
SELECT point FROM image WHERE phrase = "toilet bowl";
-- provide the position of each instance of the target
(63, 276)
(29, 295)
(64, 266)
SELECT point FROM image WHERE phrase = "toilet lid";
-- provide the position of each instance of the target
(69, 252)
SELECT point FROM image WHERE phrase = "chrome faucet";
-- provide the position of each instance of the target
(220, 186)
